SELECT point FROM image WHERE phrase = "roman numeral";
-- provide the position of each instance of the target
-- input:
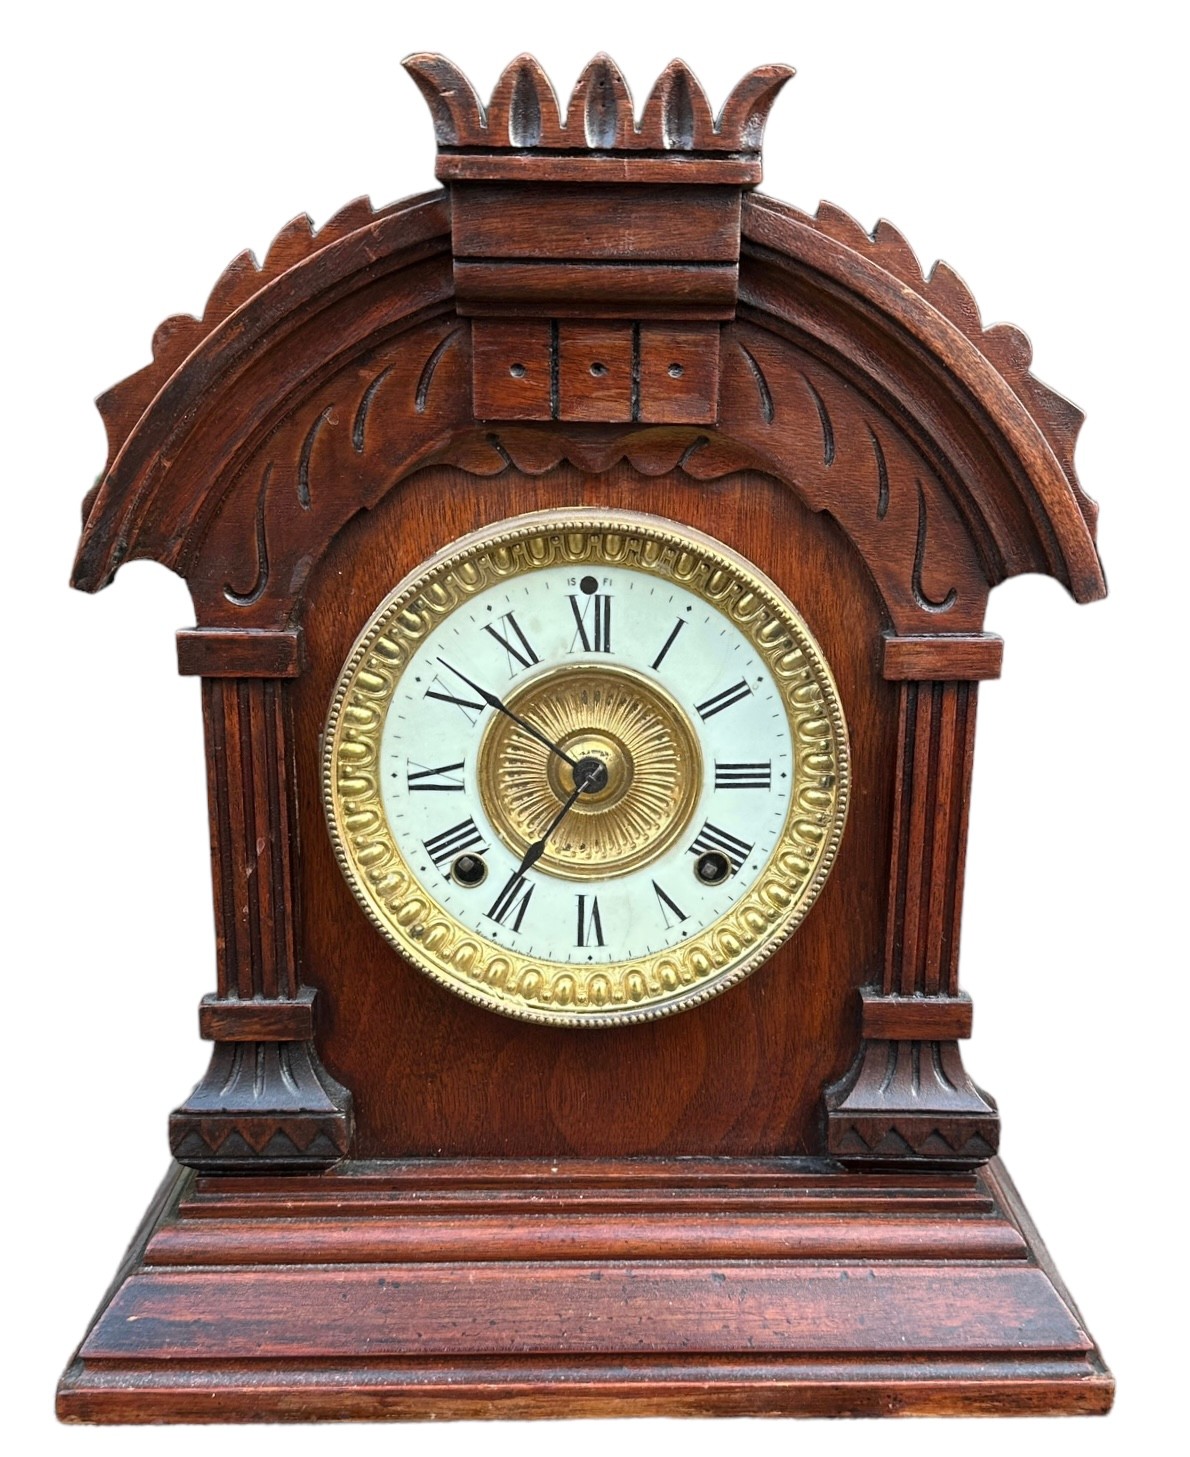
(712, 840)
(589, 923)
(466, 706)
(668, 907)
(743, 776)
(443, 848)
(669, 642)
(513, 898)
(599, 638)
(443, 778)
(723, 700)
(525, 658)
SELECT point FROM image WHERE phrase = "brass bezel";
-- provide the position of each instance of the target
(607, 994)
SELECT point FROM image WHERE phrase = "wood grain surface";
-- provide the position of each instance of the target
(741, 1075)
(538, 1288)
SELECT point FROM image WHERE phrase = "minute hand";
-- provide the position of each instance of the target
(493, 702)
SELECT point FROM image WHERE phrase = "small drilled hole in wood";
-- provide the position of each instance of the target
(517, 371)
(598, 369)
(676, 371)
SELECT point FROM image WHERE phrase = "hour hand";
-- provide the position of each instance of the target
(493, 702)
(535, 851)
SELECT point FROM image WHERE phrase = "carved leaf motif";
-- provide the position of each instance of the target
(429, 369)
(921, 596)
(677, 115)
(746, 110)
(524, 114)
(677, 110)
(367, 426)
(767, 408)
(261, 580)
(523, 111)
(881, 475)
(601, 97)
(303, 476)
(457, 111)
(801, 421)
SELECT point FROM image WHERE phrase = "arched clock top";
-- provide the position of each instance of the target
(456, 327)
(344, 356)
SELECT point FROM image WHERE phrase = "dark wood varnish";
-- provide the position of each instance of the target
(741, 1075)
(479, 1288)
(388, 1202)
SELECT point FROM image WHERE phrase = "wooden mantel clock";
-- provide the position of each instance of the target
(589, 562)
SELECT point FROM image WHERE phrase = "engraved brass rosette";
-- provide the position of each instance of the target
(607, 712)
(616, 717)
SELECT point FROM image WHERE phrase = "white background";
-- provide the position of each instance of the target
(1040, 149)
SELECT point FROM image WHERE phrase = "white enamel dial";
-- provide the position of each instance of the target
(442, 805)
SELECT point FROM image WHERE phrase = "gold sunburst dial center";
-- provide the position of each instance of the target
(614, 717)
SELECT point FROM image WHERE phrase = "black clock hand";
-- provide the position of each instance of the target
(535, 851)
(493, 702)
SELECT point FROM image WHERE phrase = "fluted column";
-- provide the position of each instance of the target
(266, 1102)
(907, 1096)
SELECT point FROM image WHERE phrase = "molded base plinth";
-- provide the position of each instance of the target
(574, 1288)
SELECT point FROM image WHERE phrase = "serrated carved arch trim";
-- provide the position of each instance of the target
(141, 508)
(1010, 436)
(1000, 443)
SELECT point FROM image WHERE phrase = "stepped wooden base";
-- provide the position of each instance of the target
(516, 1289)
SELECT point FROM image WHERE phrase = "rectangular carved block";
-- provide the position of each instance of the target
(513, 370)
(907, 1018)
(610, 372)
(560, 169)
(224, 1019)
(208, 652)
(596, 372)
(944, 658)
(595, 290)
(679, 224)
(679, 374)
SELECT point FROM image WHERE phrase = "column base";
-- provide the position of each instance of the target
(910, 1102)
(263, 1106)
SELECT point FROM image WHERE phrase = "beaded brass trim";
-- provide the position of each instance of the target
(770, 908)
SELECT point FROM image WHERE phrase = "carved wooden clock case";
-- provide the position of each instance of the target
(589, 562)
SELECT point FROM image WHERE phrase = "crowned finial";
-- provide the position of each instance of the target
(678, 137)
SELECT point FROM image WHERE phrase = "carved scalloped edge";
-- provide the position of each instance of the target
(650, 449)
(524, 111)
(1004, 346)
(122, 406)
